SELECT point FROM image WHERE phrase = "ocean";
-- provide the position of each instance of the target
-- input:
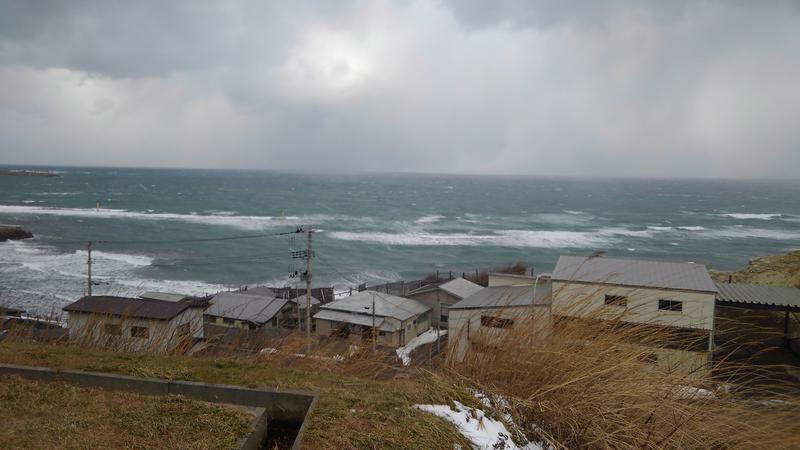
(370, 227)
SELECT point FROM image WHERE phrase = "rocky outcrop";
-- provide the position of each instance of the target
(13, 232)
(774, 270)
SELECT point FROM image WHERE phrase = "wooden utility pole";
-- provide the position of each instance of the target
(89, 270)
(309, 255)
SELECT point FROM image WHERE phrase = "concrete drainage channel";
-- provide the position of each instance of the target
(280, 416)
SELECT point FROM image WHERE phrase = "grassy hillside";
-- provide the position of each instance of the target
(353, 411)
(774, 270)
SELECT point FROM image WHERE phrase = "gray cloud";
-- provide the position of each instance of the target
(602, 88)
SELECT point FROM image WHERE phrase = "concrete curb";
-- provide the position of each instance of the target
(287, 407)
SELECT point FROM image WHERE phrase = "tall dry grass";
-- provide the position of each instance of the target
(593, 384)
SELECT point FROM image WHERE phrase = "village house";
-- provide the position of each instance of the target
(393, 321)
(134, 324)
(442, 295)
(480, 321)
(253, 311)
(673, 297)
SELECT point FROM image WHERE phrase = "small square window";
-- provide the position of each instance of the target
(670, 305)
(496, 322)
(443, 318)
(616, 300)
(228, 321)
(140, 332)
(113, 329)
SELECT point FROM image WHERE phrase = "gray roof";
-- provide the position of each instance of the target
(385, 305)
(760, 295)
(165, 296)
(354, 318)
(458, 287)
(636, 273)
(257, 309)
(507, 296)
(301, 301)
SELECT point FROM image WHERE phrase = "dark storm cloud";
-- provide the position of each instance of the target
(615, 87)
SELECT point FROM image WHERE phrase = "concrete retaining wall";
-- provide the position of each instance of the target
(286, 407)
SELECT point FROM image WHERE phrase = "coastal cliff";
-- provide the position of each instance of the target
(773, 270)
(13, 232)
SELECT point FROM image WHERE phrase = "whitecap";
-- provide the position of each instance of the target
(748, 216)
(429, 219)
(692, 228)
(242, 222)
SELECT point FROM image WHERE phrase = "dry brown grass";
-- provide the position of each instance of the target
(590, 385)
(39, 415)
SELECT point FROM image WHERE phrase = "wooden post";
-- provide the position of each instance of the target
(309, 255)
(89, 270)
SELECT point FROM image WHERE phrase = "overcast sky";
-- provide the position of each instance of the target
(616, 87)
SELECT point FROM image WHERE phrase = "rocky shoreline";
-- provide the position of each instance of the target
(13, 232)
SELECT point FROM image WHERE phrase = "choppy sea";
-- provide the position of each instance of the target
(370, 227)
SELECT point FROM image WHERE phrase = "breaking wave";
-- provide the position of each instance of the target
(221, 219)
(429, 219)
(747, 216)
(505, 238)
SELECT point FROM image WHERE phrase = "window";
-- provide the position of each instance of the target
(227, 321)
(670, 305)
(443, 318)
(616, 300)
(274, 321)
(113, 329)
(496, 322)
(183, 329)
(381, 333)
(140, 332)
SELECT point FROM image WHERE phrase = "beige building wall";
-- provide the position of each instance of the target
(467, 332)
(433, 300)
(161, 335)
(406, 330)
(588, 300)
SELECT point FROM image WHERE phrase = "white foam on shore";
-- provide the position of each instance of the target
(242, 222)
(42, 279)
(739, 232)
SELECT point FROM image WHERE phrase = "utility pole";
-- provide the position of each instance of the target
(309, 255)
(89, 270)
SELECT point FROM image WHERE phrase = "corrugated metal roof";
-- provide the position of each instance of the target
(757, 294)
(385, 305)
(507, 296)
(632, 272)
(165, 296)
(258, 309)
(364, 320)
(127, 307)
(457, 287)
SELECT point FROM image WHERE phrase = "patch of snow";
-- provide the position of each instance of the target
(404, 353)
(484, 432)
(268, 350)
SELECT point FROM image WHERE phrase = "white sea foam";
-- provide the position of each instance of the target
(42, 279)
(504, 238)
(660, 228)
(746, 216)
(563, 219)
(744, 233)
(242, 222)
(429, 219)
(692, 228)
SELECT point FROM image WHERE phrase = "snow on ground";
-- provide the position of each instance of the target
(483, 432)
(404, 353)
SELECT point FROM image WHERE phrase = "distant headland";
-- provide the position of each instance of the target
(28, 173)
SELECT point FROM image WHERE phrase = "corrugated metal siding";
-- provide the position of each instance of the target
(758, 295)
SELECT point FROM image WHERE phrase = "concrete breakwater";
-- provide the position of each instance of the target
(13, 232)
